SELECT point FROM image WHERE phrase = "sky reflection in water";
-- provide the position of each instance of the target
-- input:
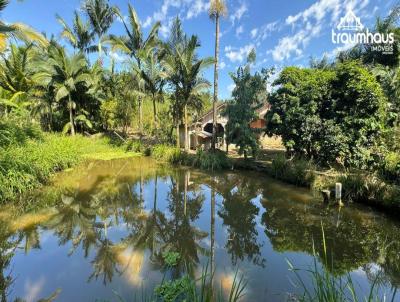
(113, 220)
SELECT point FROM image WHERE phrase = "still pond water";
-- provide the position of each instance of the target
(114, 219)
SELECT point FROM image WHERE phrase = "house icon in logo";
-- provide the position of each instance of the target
(350, 22)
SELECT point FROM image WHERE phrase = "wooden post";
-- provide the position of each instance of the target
(338, 193)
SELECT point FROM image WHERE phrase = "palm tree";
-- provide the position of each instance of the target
(154, 78)
(16, 76)
(217, 9)
(176, 41)
(134, 45)
(185, 74)
(19, 31)
(101, 16)
(79, 36)
(65, 73)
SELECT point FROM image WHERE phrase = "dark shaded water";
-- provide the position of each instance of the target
(114, 219)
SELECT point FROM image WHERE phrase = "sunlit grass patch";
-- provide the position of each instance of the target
(110, 155)
(29, 220)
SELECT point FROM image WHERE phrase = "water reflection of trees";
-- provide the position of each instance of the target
(85, 215)
(239, 214)
(355, 238)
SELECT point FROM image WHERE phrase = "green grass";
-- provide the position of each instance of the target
(26, 166)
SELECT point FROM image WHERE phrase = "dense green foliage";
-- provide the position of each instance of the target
(332, 116)
(296, 171)
(249, 94)
(212, 161)
(66, 91)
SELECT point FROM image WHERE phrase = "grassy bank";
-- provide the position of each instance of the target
(27, 164)
(206, 160)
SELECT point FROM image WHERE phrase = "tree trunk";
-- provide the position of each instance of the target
(215, 100)
(186, 130)
(71, 117)
(178, 143)
(212, 231)
(185, 193)
(155, 113)
(140, 116)
(51, 119)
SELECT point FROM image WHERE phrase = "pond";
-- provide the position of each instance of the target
(110, 222)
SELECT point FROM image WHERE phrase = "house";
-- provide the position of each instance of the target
(200, 131)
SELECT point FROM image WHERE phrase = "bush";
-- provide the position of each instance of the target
(207, 160)
(362, 188)
(16, 131)
(390, 168)
(168, 154)
(296, 171)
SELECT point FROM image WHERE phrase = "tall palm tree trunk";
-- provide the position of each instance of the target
(215, 100)
(212, 231)
(155, 113)
(186, 130)
(140, 116)
(71, 116)
(178, 142)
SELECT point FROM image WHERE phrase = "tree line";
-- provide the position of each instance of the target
(40, 79)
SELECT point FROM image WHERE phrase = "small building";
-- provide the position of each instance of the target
(200, 132)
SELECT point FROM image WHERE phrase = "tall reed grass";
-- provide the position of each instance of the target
(327, 288)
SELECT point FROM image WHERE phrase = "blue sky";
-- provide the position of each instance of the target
(283, 32)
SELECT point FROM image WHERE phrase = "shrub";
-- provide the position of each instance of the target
(362, 188)
(168, 154)
(16, 131)
(207, 160)
(296, 171)
(390, 168)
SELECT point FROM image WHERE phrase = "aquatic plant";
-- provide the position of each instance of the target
(187, 288)
(328, 288)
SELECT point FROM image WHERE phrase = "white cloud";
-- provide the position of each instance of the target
(222, 65)
(117, 57)
(334, 52)
(125, 19)
(294, 44)
(239, 12)
(309, 23)
(198, 7)
(254, 32)
(266, 30)
(239, 31)
(33, 289)
(187, 8)
(238, 54)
